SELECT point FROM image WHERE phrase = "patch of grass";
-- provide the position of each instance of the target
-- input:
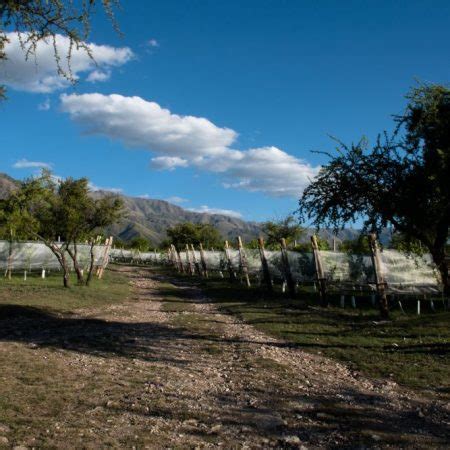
(412, 350)
(50, 294)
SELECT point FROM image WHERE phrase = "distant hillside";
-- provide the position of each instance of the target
(150, 219)
(7, 184)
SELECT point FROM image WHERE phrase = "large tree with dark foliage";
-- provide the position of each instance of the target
(403, 181)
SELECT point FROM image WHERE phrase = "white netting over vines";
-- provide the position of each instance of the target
(136, 256)
(403, 274)
(36, 256)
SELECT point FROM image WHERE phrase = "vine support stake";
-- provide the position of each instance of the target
(320, 274)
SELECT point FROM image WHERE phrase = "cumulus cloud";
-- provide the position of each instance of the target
(176, 199)
(168, 162)
(94, 187)
(98, 75)
(188, 141)
(139, 123)
(25, 164)
(39, 72)
(224, 212)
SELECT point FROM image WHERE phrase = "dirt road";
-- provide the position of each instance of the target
(166, 369)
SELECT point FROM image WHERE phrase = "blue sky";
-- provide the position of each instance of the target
(229, 97)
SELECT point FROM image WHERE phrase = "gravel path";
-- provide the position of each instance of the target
(229, 384)
(166, 369)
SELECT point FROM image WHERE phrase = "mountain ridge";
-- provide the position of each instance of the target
(150, 218)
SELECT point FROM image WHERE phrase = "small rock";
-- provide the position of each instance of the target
(4, 428)
(32, 345)
(216, 428)
(20, 447)
(4, 440)
(292, 440)
(375, 437)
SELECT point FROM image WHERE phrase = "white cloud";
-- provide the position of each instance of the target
(224, 212)
(45, 105)
(152, 43)
(98, 75)
(25, 164)
(94, 187)
(39, 73)
(139, 123)
(187, 141)
(176, 199)
(167, 162)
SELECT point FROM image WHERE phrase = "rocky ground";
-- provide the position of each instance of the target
(166, 369)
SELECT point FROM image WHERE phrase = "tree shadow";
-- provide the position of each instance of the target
(41, 328)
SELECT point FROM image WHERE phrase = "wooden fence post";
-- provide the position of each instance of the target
(189, 261)
(287, 268)
(105, 256)
(203, 261)
(196, 264)
(320, 275)
(379, 279)
(229, 263)
(265, 266)
(178, 256)
(243, 261)
(173, 257)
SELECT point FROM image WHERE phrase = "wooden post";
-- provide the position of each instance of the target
(229, 263)
(287, 268)
(189, 261)
(173, 257)
(105, 256)
(203, 261)
(320, 275)
(194, 258)
(379, 279)
(265, 266)
(243, 261)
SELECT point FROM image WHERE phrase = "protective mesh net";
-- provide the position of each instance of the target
(36, 256)
(409, 274)
(401, 273)
(136, 256)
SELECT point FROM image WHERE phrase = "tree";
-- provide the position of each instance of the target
(31, 209)
(140, 243)
(45, 209)
(44, 19)
(190, 233)
(79, 217)
(402, 181)
(286, 228)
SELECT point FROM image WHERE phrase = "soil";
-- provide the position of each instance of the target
(166, 369)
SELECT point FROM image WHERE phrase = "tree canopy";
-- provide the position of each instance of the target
(57, 210)
(190, 233)
(286, 228)
(403, 180)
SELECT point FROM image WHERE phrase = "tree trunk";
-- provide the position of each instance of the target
(91, 265)
(438, 255)
(74, 255)
(65, 268)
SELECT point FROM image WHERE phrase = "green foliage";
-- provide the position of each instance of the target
(190, 233)
(403, 180)
(45, 209)
(407, 245)
(140, 243)
(286, 228)
(356, 246)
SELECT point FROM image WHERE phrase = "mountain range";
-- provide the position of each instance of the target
(150, 218)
